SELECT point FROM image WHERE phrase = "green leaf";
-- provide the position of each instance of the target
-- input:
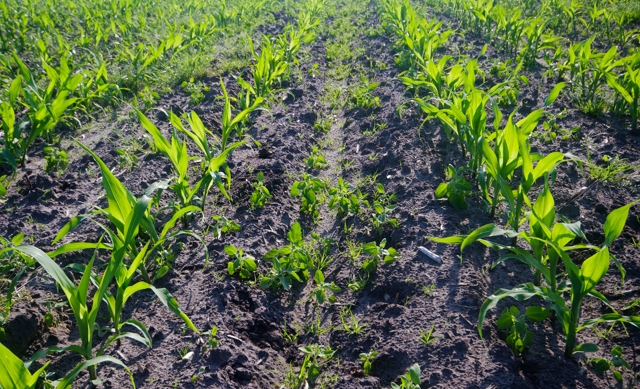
(602, 365)
(13, 373)
(593, 269)
(615, 223)
(414, 374)
(537, 314)
(66, 381)
(555, 92)
(617, 375)
(295, 233)
(485, 231)
(52, 268)
(170, 302)
(586, 348)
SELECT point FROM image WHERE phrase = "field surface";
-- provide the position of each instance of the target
(320, 194)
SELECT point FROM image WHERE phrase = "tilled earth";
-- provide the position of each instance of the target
(253, 351)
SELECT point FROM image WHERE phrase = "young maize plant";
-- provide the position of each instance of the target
(588, 72)
(511, 151)
(536, 41)
(78, 297)
(464, 119)
(549, 243)
(443, 86)
(14, 374)
(120, 201)
(627, 87)
(214, 168)
(510, 27)
(270, 68)
(45, 109)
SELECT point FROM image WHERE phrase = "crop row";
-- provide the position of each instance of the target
(141, 232)
(498, 163)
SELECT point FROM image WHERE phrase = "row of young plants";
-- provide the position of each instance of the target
(501, 167)
(56, 74)
(590, 45)
(323, 189)
(141, 234)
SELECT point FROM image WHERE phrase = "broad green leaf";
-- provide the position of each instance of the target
(615, 223)
(13, 373)
(414, 374)
(537, 314)
(593, 269)
(586, 348)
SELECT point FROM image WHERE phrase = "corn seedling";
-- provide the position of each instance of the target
(627, 87)
(85, 314)
(120, 204)
(316, 357)
(14, 374)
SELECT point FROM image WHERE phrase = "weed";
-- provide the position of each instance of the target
(426, 336)
(350, 323)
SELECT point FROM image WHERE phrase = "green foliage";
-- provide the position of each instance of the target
(290, 262)
(260, 193)
(455, 190)
(411, 379)
(13, 373)
(316, 358)
(616, 363)
(345, 199)
(56, 160)
(513, 324)
(223, 225)
(426, 336)
(362, 95)
(350, 323)
(312, 191)
(196, 90)
(367, 360)
(316, 159)
(324, 291)
(243, 265)
(383, 208)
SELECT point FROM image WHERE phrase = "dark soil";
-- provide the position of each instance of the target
(252, 351)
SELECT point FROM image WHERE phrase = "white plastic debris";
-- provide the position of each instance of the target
(188, 356)
(431, 255)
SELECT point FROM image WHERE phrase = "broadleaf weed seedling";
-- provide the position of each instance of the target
(312, 191)
(243, 265)
(367, 360)
(260, 193)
